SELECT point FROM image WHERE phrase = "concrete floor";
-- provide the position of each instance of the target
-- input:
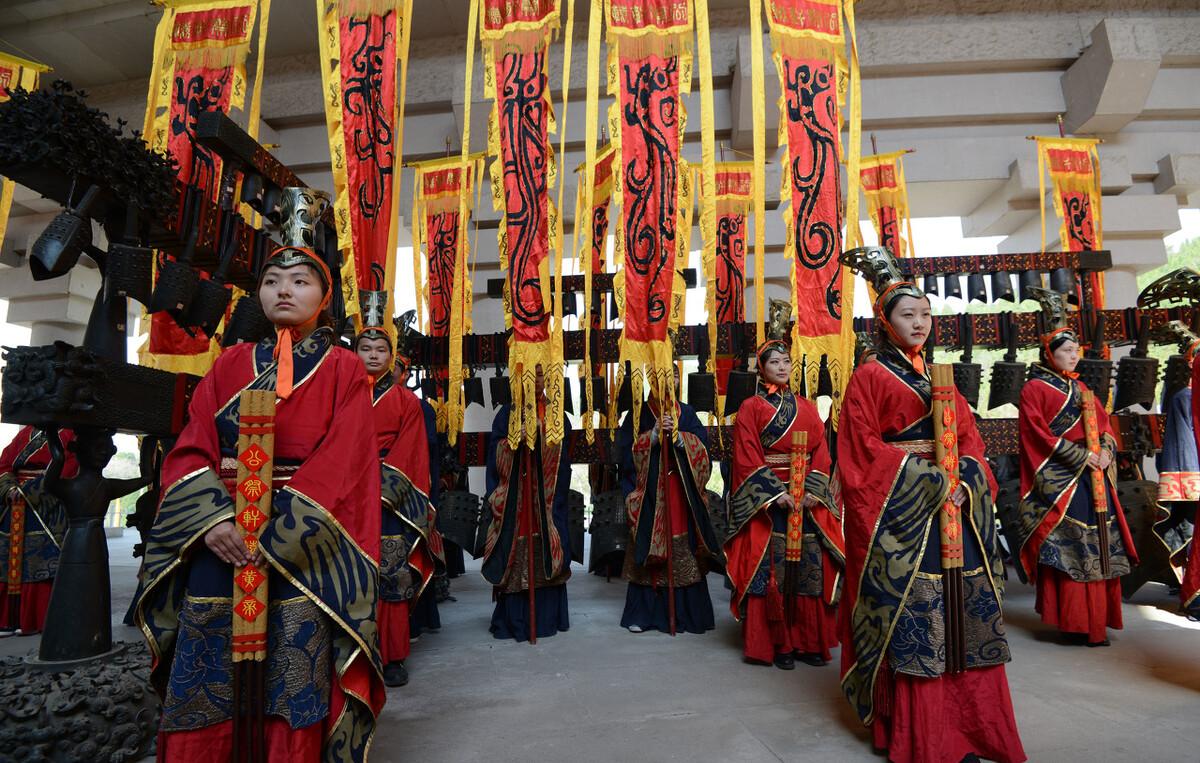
(600, 693)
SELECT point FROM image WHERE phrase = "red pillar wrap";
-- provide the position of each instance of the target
(810, 91)
(368, 76)
(649, 100)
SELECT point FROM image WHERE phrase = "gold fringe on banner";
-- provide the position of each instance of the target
(758, 112)
(454, 407)
(588, 180)
(708, 181)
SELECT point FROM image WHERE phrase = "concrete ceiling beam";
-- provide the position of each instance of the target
(1179, 176)
(1108, 86)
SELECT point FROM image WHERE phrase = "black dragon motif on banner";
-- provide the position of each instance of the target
(651, 176)
(600, 236)
(1077, 212)
(731, 280)
(443, 250)
(194, 95)
(522, 97)
(811, 103)
(371, 142)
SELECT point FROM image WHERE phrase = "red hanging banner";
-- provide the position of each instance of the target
(437, 225)
(199, 66)
(1074, 167)
(361, 42)
(516, 40)
(735, 182)
(809, 48)
(651, 44)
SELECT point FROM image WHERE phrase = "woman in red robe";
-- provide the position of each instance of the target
(893, 651)
(1057, 512)
(1189, 589)
(323, 687)
(763, 571)
(32, 526)
(407, 560)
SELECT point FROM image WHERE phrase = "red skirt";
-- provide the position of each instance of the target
(942, 720)
(1075, 607)
(35, 601)
(393, 631)
(814, 630)
(215, 743)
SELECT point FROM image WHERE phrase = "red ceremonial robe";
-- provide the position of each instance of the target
(324, 678)
(406, 562)
(893, 651)
(31, 535)
(1189, 590)
(762, 473)
(1057, 514)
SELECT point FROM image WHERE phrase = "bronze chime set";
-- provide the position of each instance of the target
(1136, 374)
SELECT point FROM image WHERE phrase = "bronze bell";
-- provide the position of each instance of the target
(976, 288)
(1027, 279)
(247, 324)
(1177, 377)
(58, 248)
(1062, 280)
(599, 392)
(742, 385)
(930, 284)
(1137, 373)
(1002, 286)
(1008, 375)
(473, 391)
(968, 375)
(129, 272)
(500, 390)
(702, 392)
(952, 286)
(1096, 373)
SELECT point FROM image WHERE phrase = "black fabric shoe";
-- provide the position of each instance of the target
(970, 757)
(752, 661)
(395, 674)
(1105, 642)
(785, 662)
(810, 658)
(1073, 639)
